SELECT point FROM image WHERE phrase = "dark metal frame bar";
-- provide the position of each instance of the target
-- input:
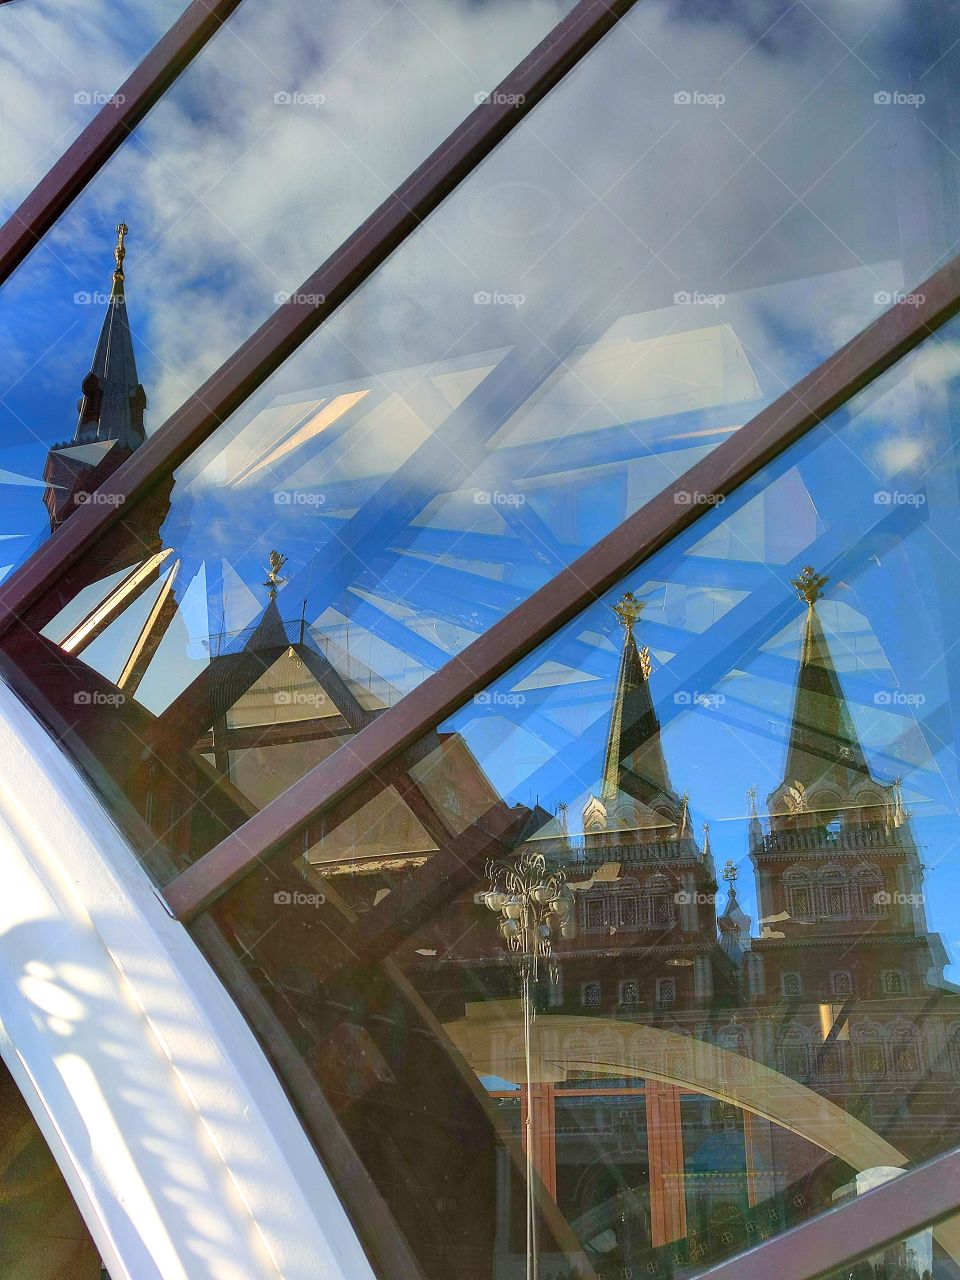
(109, 128)
(767, 435)
(343, 272)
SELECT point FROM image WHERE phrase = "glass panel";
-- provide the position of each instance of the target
(293, 124)
(42, 1236)
(928, 1254)
(535, 363)
(60, 62)
(714, 952)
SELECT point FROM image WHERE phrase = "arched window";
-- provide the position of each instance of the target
(658, 900)
(868, 895)
(893, 984)
(869, 809)
(841, 982)
(594, 912)
(590, 995)
(791, 984)
(628, 904)
(630, 992)
(869, 1057)
(953, 1050)
(795, 1053)
(666, 992)
(903, 1046)
(798, 889)
(834, 893)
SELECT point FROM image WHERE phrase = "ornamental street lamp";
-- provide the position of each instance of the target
(533, 904)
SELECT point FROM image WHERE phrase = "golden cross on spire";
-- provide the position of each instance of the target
(628, 609)
(120, 251)
(810, 584)
(273, 579)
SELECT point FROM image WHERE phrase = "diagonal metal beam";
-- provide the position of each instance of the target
(109, 129)
(787, 420)
(293, 322)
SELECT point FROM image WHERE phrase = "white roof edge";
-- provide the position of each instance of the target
(174, 1135)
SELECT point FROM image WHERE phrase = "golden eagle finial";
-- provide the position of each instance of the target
(628, 609)
(810, 584)
(273, 579)
(119, 254)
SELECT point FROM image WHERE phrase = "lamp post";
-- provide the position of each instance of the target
(533, 903)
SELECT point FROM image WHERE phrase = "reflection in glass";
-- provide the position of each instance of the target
(60, 63)
(523, 373)
(290, 127)
(742, 764)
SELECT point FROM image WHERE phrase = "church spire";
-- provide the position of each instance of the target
(633, 761)
(113, 402)
(823, 742)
